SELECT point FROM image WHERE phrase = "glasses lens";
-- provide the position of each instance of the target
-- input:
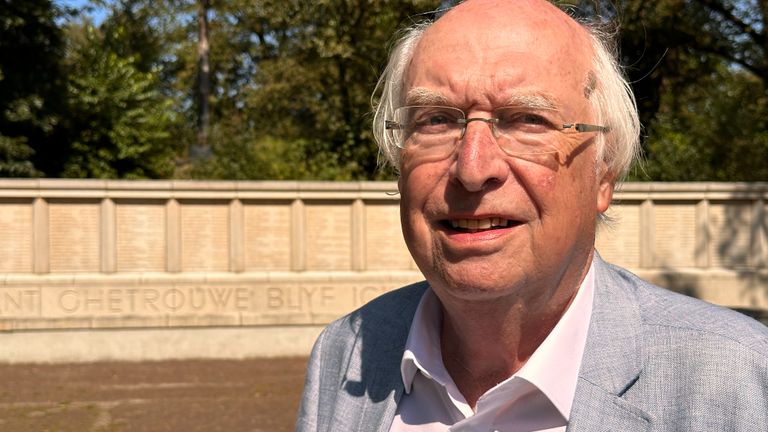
(527, 131)
(428, 129)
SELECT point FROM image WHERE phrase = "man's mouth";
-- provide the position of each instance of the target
(475, 225)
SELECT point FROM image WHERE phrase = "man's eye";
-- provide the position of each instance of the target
(522, 122)
(532, 119)
(434, 122)
(522, 118)
(437, 120)
(434, 119)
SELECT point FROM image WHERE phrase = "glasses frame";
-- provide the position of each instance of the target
(492, 121)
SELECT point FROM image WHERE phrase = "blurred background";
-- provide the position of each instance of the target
(240, 89)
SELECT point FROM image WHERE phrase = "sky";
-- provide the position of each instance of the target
(97, 15)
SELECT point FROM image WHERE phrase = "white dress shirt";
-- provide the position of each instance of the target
(536, 398)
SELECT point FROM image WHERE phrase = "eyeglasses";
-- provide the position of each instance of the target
(435, 130)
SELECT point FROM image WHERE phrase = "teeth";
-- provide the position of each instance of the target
(475, 224)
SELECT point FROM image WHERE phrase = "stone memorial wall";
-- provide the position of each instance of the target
(287, 257)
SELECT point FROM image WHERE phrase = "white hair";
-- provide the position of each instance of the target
(392, 91)
(610, 96)
(613, 104)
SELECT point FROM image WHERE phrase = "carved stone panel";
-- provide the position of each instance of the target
(141, 236)
(74, 236)
(15, 237)
(329, 239)
(267, 236)
(204, 236)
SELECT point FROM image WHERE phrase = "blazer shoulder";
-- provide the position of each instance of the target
(387, 316)
(358, 356)
(663, 310)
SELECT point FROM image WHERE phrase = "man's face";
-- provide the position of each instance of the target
(542, 209)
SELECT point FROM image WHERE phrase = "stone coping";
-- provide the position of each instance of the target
(92, 188)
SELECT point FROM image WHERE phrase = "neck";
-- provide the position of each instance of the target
(484, 343)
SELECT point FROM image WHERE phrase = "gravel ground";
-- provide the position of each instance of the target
(188, 395)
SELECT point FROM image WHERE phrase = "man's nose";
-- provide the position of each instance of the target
(479, 161)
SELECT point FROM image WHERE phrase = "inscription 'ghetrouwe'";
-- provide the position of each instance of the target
(153, 300)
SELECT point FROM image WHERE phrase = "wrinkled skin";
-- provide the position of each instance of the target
(514, 281)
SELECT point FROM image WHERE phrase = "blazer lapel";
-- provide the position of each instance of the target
(388, 379)
(612, 359)
(598, 410)
(372, 385)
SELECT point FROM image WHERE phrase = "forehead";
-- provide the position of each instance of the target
(486, 50)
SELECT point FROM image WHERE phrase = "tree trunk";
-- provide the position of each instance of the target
(202, 149)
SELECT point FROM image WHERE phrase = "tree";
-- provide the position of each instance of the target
(135, 29)
(15, 157)
(697, 137)
(695, 75)
(118, 122)
(302, 76)
(202, 150)
(290, 85)
(31, 85)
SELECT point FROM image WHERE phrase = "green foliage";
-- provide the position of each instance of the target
(291, 83)
(302, 75)
(31, 84)
(249, 155)
(699, 137)
(119, 121)
(15, 158)
(269, 159)
(94, 110)
(130, 31)
(701, 80)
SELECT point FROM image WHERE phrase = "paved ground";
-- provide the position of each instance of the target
(168, 396)
(189, 396)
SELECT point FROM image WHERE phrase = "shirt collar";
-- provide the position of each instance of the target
(422, 349)
(553, 368)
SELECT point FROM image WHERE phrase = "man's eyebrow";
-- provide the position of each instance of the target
(423, 96)
(532, 100)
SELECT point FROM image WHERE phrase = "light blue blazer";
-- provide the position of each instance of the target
(654, 361)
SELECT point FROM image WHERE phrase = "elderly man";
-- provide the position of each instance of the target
(510, 123)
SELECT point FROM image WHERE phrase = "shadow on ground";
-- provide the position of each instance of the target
(188, 395)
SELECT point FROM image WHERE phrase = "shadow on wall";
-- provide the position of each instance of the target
(754, 286)
(735, 247)
(744, 254)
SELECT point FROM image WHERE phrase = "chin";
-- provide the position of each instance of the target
(475, 285)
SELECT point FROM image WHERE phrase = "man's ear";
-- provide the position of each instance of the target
(605, 191)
